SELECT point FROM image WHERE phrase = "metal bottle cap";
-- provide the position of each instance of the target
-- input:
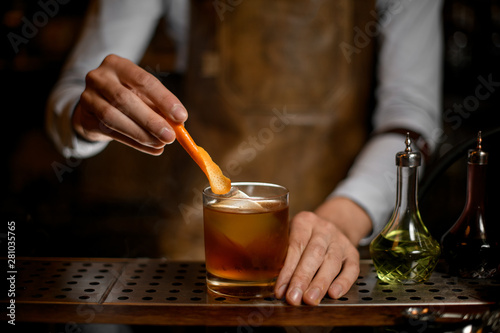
(478, 156)
(408, 158)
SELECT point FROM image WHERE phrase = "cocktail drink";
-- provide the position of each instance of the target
(246, 238)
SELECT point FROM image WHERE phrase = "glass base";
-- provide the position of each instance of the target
(236, 288)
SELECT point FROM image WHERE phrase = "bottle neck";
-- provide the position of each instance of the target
(407, 188)
(476, 181)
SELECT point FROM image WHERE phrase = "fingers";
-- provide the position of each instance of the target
(346, 278)
(320, 260)
(123, 111)
(102, 121)
(299, 237)
(123, 102)
(145, 84)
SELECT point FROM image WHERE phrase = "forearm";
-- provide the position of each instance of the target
(347, 216)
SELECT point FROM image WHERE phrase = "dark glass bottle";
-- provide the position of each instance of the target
(468, 249)
(405, 252)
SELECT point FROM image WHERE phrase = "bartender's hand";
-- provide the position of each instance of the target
(322, 255)
(123, 102)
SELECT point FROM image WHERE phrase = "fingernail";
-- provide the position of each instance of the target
(166, 135)
(178, 113)
(295, 296)
(313, 295)
(281, 291)
(336, 291)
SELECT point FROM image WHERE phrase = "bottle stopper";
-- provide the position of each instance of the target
(478, 156)
(408, 158)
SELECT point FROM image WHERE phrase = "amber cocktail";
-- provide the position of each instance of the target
(246, 238)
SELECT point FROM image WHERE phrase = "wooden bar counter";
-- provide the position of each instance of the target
(162, 292)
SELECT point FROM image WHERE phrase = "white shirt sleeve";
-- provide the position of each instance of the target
(408, 96)
(121, 27)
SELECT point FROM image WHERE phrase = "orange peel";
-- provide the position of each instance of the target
(219, 183)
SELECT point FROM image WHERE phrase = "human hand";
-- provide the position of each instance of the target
(123, 102)
(322, 256)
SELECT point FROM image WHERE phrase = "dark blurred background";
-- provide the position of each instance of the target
(90, 214)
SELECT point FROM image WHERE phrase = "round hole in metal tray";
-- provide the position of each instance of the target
(361, 283)
(220, 298)
(440, 298)
(415, 298)
(84, 297)
(390, 298)
(197, 291)
(177, 283)
(462, 297)
(364, 291)
(457, 290)
(123, 298)
(196, 298)
(151, 291)
(410, 290)
(153, 283)
(343, 299)
(60, 296)
(367, 298)
(387, 290)
(89, 290)
(171, 298)
(94, 283)
(147, 298)
(433, 290)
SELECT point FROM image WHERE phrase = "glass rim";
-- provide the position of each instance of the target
(207, 191)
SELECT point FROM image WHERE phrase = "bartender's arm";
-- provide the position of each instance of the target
(323, 256)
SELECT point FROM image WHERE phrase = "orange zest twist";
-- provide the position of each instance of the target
(219, 183)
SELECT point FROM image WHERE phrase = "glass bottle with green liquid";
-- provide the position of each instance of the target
(405, 252)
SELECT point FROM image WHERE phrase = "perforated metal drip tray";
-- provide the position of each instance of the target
(157, 291)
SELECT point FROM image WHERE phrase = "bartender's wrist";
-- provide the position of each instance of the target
(347, 216)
